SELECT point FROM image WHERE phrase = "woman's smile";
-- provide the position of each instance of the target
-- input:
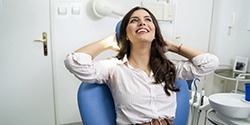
(142, 30)
(140, 27)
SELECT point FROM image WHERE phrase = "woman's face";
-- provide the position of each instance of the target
(140, 27)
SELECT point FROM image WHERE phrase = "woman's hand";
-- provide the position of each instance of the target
(171, 46)
(111, 42)
(99, 46)
(182, 50)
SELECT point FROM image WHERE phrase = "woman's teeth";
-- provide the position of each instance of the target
(142, 30)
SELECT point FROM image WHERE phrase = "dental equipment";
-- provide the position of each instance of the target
(193, 109)
(200, 104)
(102, 8)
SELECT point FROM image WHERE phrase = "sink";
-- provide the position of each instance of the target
(230, 105)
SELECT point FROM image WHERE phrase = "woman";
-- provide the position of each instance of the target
(140, 77)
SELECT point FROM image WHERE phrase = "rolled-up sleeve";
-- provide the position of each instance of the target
(85, 69)
(199, 66)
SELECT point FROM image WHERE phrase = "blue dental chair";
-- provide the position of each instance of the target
(96, 104)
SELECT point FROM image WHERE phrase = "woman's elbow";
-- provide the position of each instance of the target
(214, 63)
(210, 66)
(68, 62)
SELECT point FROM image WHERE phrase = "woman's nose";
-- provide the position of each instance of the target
(142, 23)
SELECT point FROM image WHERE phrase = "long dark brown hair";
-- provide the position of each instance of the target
(164, 71)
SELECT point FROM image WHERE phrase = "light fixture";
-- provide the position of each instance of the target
(102, 8)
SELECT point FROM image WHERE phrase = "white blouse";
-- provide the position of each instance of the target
(136, 98)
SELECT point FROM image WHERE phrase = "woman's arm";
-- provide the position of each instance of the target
(99, 46)
(199, 63)
(81, 63)
(183, 50)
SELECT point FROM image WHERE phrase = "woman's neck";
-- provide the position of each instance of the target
(139, 58)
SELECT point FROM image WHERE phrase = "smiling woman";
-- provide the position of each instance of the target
(141, 78)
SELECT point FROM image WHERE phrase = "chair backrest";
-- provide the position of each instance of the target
(96, 104)
(182, 99)
(97, 107)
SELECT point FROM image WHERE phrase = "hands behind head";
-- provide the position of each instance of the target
(171, 46)
(112, 42)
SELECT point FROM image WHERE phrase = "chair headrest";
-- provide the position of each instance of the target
(117, 30)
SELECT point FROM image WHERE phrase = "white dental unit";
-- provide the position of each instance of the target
(230, 108)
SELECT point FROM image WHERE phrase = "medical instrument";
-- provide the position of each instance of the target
(193, 109)
(102, 8)
(200, 104)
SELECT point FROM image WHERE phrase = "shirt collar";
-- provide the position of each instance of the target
(125, 61)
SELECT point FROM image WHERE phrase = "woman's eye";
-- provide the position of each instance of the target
(148, 19)
(133, 20)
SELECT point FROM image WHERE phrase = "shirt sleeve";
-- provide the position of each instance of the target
(199, 66)
(86, 69)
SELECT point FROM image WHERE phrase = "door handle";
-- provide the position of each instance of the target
(44, 41)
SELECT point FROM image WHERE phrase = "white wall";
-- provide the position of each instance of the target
(226, 46)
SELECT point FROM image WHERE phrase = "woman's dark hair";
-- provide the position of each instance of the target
(164, 71)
